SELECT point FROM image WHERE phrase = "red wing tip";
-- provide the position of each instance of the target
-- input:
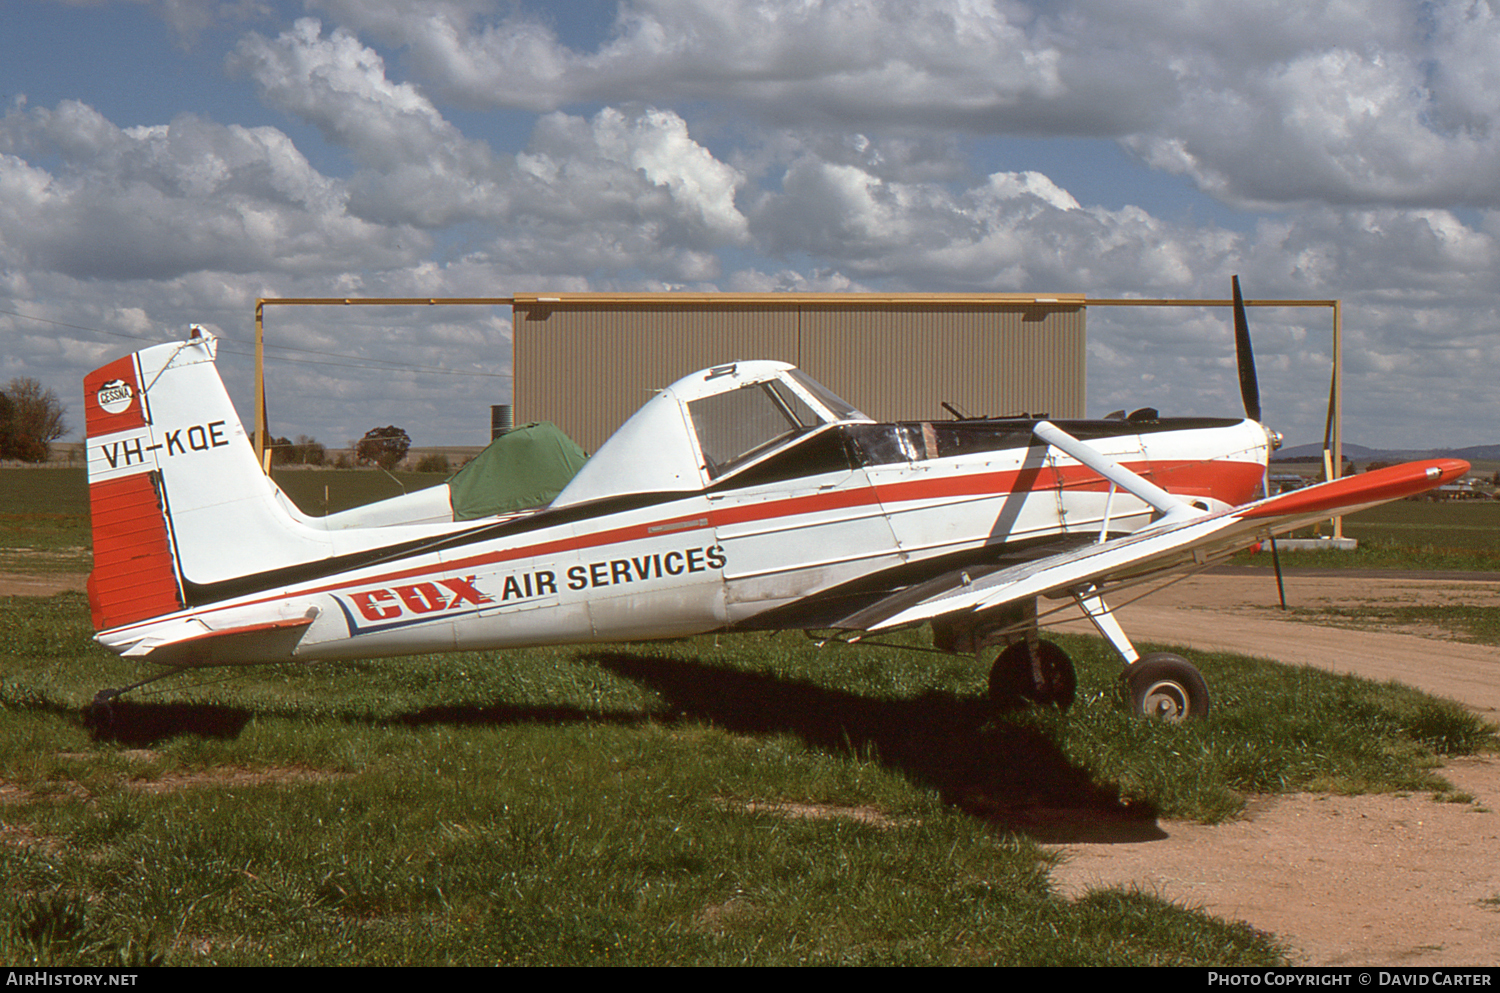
(1364, 489)
(1449, 469)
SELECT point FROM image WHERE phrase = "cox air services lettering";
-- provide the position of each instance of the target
(382, 608)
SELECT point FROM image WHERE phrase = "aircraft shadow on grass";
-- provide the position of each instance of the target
(141, 725)
(1009, 775)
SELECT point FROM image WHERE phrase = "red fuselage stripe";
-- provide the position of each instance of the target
(1229, 481)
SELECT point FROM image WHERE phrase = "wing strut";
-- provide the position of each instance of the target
(1173, 508)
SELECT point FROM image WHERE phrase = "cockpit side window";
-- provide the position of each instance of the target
(837, 405)
(736, 426)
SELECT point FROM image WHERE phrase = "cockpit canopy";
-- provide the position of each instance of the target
(706, 426)
(732, 427)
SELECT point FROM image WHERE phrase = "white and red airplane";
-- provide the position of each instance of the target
(742, 497)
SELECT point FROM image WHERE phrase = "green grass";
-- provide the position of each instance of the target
(327, 491)
(44, 513)
(640, 804)
(1461, 526)
(27, 491)
(1459, 535)
(44, 521)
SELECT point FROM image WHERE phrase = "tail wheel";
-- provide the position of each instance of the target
(1045, 676)
(1167, 687)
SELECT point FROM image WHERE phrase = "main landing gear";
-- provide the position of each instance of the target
(1166, 687)
(1161, 686)
(1036, 671)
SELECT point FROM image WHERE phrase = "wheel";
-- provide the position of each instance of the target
(1166, 687)
(1047, 679)
(101, 713)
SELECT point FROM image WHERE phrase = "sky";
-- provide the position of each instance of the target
(167, 162)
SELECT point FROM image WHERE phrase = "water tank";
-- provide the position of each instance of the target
(502, 419)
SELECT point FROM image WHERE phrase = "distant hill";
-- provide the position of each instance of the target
(1359, 453)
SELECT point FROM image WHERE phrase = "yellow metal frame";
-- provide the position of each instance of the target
(261, 427)
(1333, 457)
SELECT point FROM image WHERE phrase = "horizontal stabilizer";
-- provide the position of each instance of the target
(248, 644)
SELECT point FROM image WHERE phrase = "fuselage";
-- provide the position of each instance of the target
(793, 537)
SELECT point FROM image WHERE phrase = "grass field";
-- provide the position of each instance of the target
(1413, 534)
(744, 800)
(44, 513)
(751, 800)
(44, 520)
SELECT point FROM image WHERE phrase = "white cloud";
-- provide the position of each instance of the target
(1005, 232)
(796, 60)
(417, 167)
(340, 86)
(156, 202)
(800, 146)
(1259, 101)
(656, 142)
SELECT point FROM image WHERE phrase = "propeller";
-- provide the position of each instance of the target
(1250, 395)
(1249, 386)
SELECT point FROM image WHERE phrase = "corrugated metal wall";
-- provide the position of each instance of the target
(587, 361)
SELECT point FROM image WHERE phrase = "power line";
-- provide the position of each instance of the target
(354, 361)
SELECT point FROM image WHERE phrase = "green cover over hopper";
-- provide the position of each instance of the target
(523, 468)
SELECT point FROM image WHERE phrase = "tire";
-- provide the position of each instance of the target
(1166, 687)
(1051, 681)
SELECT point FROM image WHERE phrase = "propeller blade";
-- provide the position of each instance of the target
(1249, 386)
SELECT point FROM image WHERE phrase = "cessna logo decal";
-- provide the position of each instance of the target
(397, 606)
(114, 396)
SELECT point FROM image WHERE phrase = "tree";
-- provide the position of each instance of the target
(7, 427)
(307, 450)
(278, 447)
(383, 446)
(31, 419)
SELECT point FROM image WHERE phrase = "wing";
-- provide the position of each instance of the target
(1169, 546)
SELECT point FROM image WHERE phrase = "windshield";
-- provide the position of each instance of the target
(734, 427)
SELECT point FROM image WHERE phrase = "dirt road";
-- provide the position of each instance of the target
(1235, 610)
(1367, 880)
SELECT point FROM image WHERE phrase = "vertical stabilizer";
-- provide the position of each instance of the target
(177, 499)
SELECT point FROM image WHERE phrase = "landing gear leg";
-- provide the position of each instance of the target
(1027, 668)
(1033, 670)
(1161, 686)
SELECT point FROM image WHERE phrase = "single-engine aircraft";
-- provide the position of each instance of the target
(745, 497)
